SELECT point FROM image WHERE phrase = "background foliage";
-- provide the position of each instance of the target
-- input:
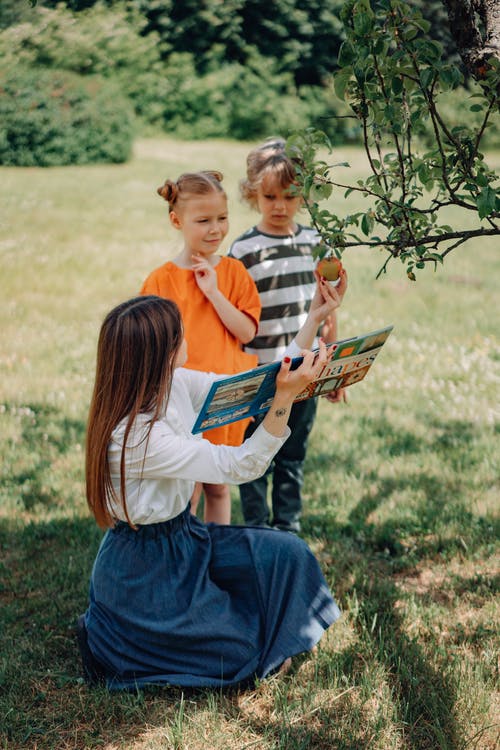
(242, 69)
(52, 117)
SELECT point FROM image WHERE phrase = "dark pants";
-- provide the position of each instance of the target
(287, 475)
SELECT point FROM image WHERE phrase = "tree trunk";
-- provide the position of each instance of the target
(475, 27)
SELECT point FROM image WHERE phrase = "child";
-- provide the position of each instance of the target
(173, 600)
(278, 255)
(218, 300)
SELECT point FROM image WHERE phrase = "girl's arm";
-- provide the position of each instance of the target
(237, 322)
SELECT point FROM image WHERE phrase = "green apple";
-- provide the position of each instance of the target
(329, 267)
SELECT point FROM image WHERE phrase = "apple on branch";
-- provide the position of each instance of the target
(329, 268)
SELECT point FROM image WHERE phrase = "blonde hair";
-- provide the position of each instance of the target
(191, 183)
(268, 159)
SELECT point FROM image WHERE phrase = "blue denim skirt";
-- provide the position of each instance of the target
(194, 605)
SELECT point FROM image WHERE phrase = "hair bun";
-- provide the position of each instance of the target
(214, 174)
(168, 191)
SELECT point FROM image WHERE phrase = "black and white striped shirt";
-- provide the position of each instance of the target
(282, 268)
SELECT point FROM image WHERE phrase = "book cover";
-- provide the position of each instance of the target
(251, 392)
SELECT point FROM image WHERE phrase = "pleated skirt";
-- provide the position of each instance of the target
(187, 604)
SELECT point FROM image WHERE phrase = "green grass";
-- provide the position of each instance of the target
(401, 486)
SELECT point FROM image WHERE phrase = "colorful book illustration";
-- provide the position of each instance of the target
(249, 393)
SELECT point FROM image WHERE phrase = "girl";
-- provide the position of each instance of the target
(172, 600)
(277, 253)
(218, 300)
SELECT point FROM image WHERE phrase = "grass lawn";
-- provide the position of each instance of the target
(401, 485)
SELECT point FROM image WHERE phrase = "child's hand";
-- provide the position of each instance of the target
(205, 275)
(336, 397)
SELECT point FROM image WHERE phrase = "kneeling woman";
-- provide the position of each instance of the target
(173, 600)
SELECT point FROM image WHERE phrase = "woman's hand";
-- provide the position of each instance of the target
(325, 301)
(293, 382)
(327, 298)
(289, 383)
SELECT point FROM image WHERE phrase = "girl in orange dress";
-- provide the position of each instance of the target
(218, 300)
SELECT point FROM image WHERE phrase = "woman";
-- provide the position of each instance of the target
(173, 600)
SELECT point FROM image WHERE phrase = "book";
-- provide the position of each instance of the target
(251, 392)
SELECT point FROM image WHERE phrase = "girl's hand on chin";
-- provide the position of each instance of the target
(204, 274)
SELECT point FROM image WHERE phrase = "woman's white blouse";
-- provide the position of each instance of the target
(161, 472)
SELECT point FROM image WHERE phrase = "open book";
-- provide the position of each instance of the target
(251, 392)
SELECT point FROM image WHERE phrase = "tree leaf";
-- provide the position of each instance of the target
(397, 85)
(486, 202)
(426, 76)
(340, 81)
(367, 224)
(347, 54)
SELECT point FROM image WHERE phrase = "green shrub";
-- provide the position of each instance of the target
(229, 100)
(328, 113)
(50, 118)
(98, 41)
(245, 102)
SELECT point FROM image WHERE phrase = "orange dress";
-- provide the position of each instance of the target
(211, 347)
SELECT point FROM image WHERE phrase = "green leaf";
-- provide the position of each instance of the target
(431, 51)
(347, 54)
(363, 23)
(308, 183)
(367, 224)
(380, 47)
(426, 77)
(397, 85)
(435, 256)
(486, 202)
(340, 82)
(320, 192)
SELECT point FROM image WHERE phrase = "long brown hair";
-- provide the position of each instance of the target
(136, 352)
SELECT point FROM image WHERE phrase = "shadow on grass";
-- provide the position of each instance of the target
(366, 554)
(45, 568)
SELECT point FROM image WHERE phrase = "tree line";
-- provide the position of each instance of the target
(239, 69)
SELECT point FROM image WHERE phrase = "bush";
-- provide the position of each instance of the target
(98, 41)
(245, 102)
(227, 100)
(330, 114)
(50, 118)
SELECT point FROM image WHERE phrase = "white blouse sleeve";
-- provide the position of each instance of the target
(172, 452)
(197, 384)
(175, 456)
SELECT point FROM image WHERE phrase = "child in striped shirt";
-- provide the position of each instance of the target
(277, 253)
